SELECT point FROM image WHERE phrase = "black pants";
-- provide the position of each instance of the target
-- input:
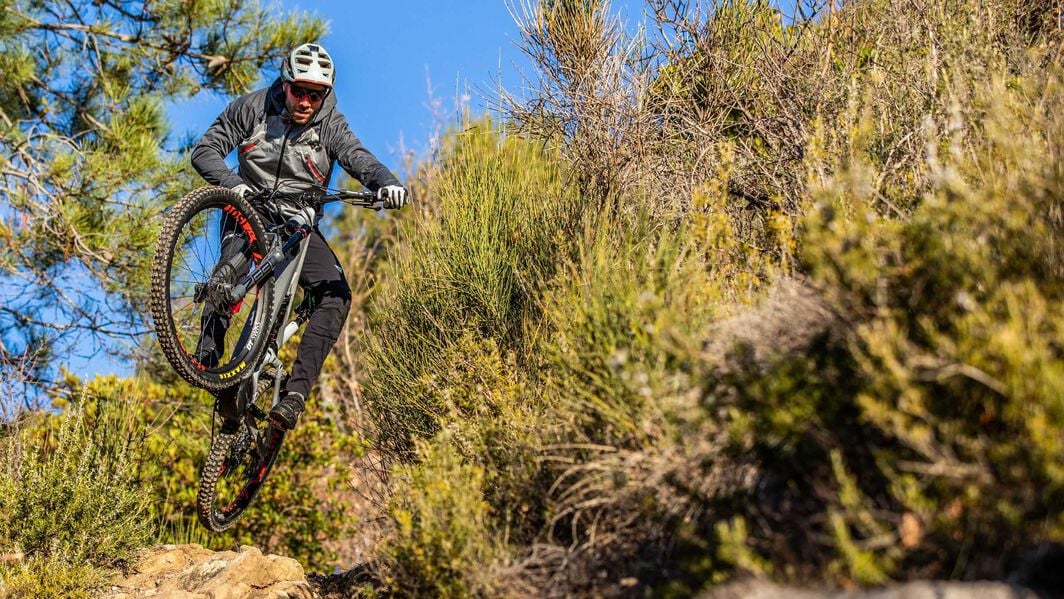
(324, 279)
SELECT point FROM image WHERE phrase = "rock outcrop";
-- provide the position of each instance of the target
(192, 572)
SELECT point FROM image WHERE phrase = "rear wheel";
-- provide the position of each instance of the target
(239, 461)
(209, 241)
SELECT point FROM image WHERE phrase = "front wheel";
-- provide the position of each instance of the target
(210, 240)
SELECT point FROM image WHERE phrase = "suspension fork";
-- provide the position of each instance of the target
(276, 256)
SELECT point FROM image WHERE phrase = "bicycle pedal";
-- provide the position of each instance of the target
(273, 372)
(268, 377)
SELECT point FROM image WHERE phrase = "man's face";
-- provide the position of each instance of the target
(303, 100)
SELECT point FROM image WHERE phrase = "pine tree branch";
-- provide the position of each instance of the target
(174, 46)
(90, 29)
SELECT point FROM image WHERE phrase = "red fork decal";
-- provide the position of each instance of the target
(241, 220)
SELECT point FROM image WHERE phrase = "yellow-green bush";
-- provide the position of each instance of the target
(940, 406)
(452, 331)
(470, 267)
(595, 378)
(610, 316)
(494, 419)
(444, 544)
(47, 578)
(600, 366)
(303, 504)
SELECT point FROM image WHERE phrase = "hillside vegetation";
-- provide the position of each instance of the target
(740, 295)
(772, 299)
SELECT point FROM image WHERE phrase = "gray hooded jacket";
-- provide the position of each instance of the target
(271, 148)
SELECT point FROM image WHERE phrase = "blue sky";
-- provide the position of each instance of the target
(387, 53)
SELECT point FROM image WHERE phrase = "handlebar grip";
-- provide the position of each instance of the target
(367, 196)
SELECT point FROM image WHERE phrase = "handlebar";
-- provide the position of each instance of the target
(299, 231)
(368, 199)
(365, 199)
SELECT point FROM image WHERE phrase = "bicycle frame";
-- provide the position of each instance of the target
(284, 290)
(285, 267)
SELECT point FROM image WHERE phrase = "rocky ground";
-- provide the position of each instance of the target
(914, 590)
(192, 572)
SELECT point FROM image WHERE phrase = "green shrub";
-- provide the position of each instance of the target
(47, 578)
(494, 418)
(303, 504)
(935, 419)
(925, 150)
(898, 165)
(611, 315)
(78, 506)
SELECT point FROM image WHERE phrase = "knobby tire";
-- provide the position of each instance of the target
(216, 511)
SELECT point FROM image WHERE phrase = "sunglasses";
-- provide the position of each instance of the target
(299, 93)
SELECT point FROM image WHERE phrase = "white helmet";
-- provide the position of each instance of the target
(309, 63)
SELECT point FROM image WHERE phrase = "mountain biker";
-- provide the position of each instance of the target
(289, 136)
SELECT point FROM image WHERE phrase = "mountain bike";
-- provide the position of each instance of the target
(223, 278)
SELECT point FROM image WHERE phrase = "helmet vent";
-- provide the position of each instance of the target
(309, 63)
